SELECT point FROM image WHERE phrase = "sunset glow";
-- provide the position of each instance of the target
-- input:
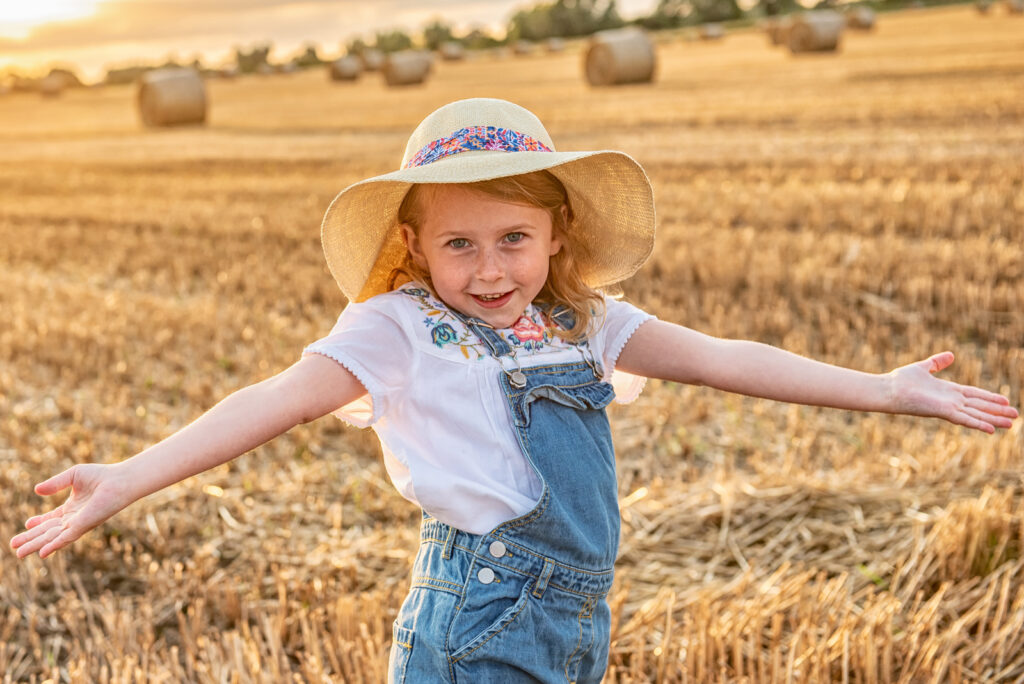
(18, 19)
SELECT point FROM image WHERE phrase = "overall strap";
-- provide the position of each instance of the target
(486, 333)
(560, 314)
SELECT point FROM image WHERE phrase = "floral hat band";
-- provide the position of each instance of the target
(473, 138)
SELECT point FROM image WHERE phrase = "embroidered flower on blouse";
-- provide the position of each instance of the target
(534, 331)
(530, 335)
(526, 330)
(443, 334)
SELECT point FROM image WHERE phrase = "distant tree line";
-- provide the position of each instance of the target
(541, 21)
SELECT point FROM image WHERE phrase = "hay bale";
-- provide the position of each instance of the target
(51, 85)
(171, 97)
(452, 51)
(408, 67)
(554, 45)
(345, 69)
(861, 18)
(712, 31)
(619, 56)
(522, 47)
(778, 30)
(373, 60)
(816, 31)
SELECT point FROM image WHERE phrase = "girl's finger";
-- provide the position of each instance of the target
(20, 539)
(978, 393)
(36, 519)
(63, 539)
(56, 483)
(39, 541)
(992, 408)
(986, 421)
(937, 362)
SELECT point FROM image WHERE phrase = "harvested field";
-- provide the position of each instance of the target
(864, 207)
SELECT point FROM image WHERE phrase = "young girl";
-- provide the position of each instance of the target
(479, 347)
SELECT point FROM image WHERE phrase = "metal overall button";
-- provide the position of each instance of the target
(486, 575)
(516, 377)
(497, 549)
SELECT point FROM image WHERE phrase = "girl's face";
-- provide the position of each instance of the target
(486, 258)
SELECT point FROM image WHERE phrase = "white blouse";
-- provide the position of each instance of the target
(436, 405)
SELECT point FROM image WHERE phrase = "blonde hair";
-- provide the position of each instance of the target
(564, 287)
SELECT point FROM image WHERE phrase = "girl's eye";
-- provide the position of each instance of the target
(458, 243)
(514, 237)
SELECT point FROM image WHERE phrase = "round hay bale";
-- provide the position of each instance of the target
(345, 69)
(619, 56)
(522, 47)
(51, 85)
(408, 67)
(373, 60)
(861, 18)
(816, 31)
(778, 30)
(555, 45)
(170, 97)
(712, 31)
(1015, 6)
(452, 51)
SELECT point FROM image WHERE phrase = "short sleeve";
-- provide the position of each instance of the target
(621, 320)
(370, 342)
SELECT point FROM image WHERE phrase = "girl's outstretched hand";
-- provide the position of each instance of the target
(97, 492)
(915, 391)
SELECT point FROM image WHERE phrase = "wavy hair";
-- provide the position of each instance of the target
(564, 286)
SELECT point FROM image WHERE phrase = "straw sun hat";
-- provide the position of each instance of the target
(480, 139)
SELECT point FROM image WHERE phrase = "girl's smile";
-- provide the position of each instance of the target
(486, 258)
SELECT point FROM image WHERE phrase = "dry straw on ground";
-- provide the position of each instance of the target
(863, 208)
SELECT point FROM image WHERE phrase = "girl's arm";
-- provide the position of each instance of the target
(671, 352)
(311, 388)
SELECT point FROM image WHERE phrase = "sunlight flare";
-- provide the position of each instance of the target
(20, 19)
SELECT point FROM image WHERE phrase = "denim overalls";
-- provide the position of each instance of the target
(525, 602)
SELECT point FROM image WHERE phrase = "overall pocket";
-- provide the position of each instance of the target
(401, 649)
(487, 611)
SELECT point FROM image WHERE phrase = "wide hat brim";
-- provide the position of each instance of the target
(610, 195)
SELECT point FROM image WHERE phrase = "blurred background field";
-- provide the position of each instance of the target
(863, 207)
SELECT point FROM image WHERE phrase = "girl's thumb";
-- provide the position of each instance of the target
(56, 483)
(937, 362)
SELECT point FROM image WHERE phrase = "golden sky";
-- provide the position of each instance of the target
(90, 35)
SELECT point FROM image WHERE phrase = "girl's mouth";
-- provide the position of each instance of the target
(492, 301)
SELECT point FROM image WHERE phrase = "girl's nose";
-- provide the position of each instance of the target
(489, 266)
